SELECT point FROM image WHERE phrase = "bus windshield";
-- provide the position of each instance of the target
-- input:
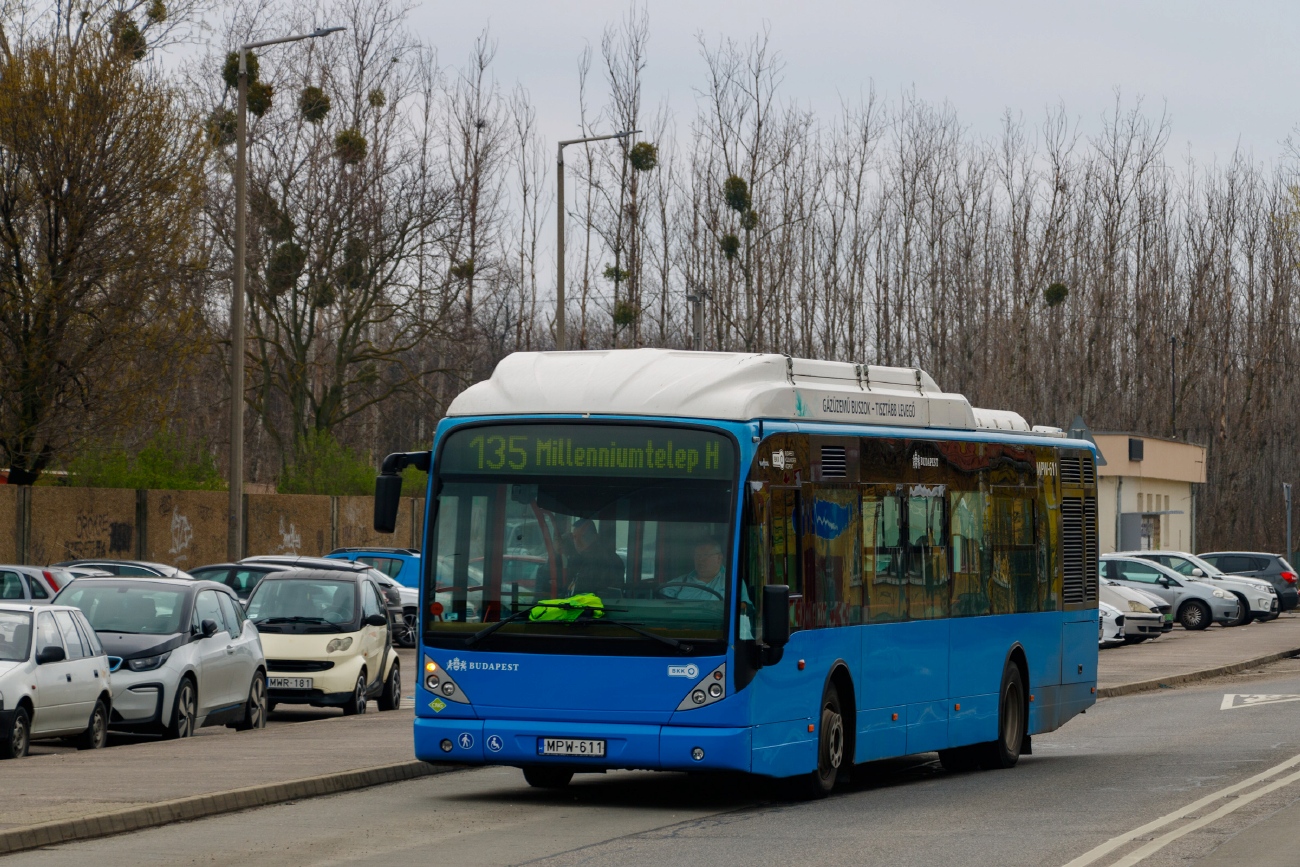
(638, 517)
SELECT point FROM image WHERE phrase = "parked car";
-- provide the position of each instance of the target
(1196, 604)
(1141, 620)
(129, 568)
(328, 641)
(403, 603)
(26, 584)
(54, 679)
(1258, 564)
(242, 578)
(400, 564)
(1110, 626)
(184, 655)
(1257, 597)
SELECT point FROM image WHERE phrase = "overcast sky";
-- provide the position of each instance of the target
(1225, 72)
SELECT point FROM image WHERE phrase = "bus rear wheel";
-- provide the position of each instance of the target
(1005, 751)
(540, 777)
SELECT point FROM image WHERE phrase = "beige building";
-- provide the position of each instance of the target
(1146, 492)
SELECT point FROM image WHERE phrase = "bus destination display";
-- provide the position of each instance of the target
(588, 450)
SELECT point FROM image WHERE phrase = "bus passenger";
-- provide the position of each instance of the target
(594, 567)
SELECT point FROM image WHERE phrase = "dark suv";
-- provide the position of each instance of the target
(1258, 564)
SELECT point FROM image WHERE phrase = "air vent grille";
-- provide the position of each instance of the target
(1090, 565)
(1079, 549)
(1071, 471)
(835, 462)
(1073, 554)
(1089, 471)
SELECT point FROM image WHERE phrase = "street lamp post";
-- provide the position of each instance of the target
(559, 226)
(235, 538)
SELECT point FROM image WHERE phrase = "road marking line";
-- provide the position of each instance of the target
(1096, 853)
(1251, 700)
(1159, 843)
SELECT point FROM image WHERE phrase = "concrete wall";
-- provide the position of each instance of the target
(186, 528)
(43, 525)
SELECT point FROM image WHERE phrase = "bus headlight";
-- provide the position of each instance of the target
(438, 680)
(710, 688)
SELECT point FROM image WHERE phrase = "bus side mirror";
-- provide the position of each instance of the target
(776, 621)
(388, 486)
(388, 499)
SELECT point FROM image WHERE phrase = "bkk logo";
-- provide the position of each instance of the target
(690, 671)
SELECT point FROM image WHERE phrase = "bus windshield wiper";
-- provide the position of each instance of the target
(565, 606)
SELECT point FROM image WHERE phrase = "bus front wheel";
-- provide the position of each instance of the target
(831, 749)
(540, 777)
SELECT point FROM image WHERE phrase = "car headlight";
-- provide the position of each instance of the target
(1221, 595)
(148, 663)
(338, 644)
(1134, 605)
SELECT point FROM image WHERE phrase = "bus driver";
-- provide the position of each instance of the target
(708, 580)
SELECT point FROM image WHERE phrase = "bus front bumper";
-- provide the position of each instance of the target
(642, 747)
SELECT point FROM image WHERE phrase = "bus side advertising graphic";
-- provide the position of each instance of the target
(589, 450)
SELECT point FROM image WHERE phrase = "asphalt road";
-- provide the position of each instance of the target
(1219, 748)
(284, 715)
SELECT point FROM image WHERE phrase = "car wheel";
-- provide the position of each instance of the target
(547, 778)
(410, 628)
(15, 746)
(185, 712)
(830, 751)
(95, 737)
(1005, 751)
(357, 703)
(255, 709)
(391, 697)
(1243, 611)
(1194, 615)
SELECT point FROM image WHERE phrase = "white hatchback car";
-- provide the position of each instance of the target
(54, 679)
(327, 638)
(185, 656)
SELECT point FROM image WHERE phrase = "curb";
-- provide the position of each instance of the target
(1192, 676)
(210, 804)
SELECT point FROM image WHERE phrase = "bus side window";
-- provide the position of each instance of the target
(927, 562)
(966, 518)
(882, 556)
(785, 547)
(754, 563)
(836, 541)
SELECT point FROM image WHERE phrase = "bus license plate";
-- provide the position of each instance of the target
(288, 683)
(570, 747)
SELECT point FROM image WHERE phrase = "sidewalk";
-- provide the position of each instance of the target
(48, 788)
(1180, 656)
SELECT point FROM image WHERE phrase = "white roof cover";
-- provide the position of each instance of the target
(720, 385)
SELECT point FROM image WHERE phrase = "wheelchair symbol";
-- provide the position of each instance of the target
(494, 743)
(466, 740)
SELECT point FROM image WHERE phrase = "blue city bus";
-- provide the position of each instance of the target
(649, 559)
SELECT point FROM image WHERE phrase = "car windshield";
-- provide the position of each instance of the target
(15, 635)
(634, 519)
(140, 608)
(304, 605)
